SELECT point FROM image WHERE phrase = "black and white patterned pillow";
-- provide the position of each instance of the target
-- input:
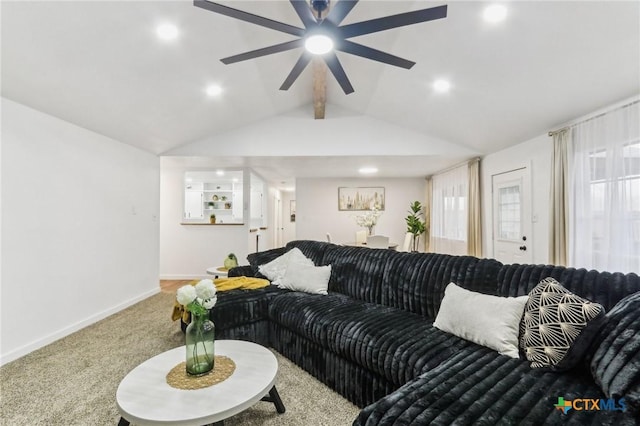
(557, 326)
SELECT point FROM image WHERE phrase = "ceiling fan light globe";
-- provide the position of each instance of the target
(318, 44)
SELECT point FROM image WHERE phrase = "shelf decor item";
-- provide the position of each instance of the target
(200, 333)
(212, 218)
(231, 261)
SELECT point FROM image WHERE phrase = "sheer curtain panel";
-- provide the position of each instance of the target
(449, 211)
(604, 160)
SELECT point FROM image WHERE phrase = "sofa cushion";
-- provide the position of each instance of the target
(314, 250)
(615, 363)
(238, 307)
(490, 321)
(415, 282)
(358, 271)
(477, 386)
(395, 344)
(557, 326)
(605, 288)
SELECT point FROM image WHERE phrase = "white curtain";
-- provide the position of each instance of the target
(604, 161)
(449, 211)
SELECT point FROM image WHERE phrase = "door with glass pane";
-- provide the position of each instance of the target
(512, 217)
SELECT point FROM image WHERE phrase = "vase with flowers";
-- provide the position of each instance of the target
(369, 219)
(200, 333)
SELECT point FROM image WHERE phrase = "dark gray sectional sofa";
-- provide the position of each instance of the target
(371, 339)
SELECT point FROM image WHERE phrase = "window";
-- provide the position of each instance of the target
(508, 222)
(605, 192)
(449, 211)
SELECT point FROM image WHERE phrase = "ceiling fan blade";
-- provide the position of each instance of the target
(304, 12)
(393, 21)
(335, 66)
(374, 54)
(302, 63)
(276, 48)
(249, 17)
(340, 10)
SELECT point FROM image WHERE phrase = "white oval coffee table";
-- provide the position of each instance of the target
(145, 398)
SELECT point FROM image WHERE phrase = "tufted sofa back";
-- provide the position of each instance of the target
(414, 282)
(606, 288)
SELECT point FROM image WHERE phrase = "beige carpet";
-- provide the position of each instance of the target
(73, 381)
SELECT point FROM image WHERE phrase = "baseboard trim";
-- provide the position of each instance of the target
(184, 277)
(28, 348)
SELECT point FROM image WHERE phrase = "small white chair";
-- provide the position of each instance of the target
(361, 237)
(377, 241)
(328, 237)
(408, 239)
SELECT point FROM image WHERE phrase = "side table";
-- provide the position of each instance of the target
(218, 271)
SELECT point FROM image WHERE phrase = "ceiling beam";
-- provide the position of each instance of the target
(319, 81)
(319, 87)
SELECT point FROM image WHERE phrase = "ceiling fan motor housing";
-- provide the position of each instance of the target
(319, 5)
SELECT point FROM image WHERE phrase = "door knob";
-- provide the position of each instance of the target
(523, 248)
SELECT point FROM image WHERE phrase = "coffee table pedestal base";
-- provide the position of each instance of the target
(273, 397)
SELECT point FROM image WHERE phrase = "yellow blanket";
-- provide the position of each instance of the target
(222, 284)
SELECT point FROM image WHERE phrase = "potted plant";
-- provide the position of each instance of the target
(416, 225)
(211, 204)
(212, 218)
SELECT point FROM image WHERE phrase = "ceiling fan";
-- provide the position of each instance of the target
(323, 35)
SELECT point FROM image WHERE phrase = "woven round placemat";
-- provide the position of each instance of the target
(178, 378)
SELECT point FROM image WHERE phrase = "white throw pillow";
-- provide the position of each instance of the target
(276, 269)
(489, 321)
(310, 279)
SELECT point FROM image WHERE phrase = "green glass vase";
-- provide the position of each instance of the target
(199, 340)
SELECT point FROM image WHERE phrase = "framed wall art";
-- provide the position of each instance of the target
(360, 198)
(292, 210)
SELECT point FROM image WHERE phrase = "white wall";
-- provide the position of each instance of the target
(317, 208)
(536, 154)
(79, 228)
(186, 251)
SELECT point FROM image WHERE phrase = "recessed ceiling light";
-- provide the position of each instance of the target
(214, 90)
(495, 13)
(220, 172)
(319, 44)
(441, 86)
(167, 31)
(368, 170)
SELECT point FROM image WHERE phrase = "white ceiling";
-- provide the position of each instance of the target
(99, 64)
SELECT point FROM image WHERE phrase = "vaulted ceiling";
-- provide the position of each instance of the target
(100, 65)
